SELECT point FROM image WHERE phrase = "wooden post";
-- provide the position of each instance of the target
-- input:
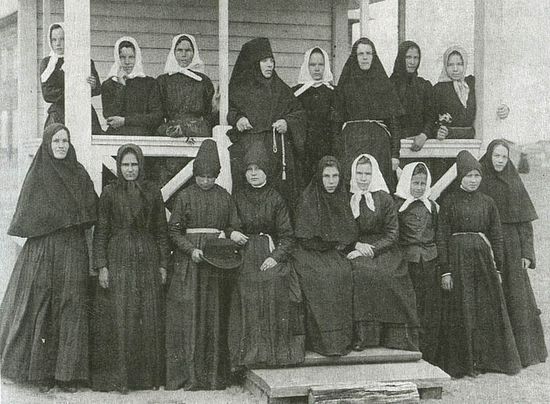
(364, 17)
(401, 21)
(223, 56)
(46, 21)
(340, 36)
(223, 142)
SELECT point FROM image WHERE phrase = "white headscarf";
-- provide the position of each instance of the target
(137, 71)
(461, 88)
(404, 187)
(54, 57)
(305, 77)
(377, 184)
(172, 66)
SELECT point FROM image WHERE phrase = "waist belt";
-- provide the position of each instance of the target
(380, 123)
(205, 230)
(485, 239)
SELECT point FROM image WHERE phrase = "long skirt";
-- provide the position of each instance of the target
(197, 312)
(384, 304)
(325, 279)
(520, 301)
(127, 328)
(44, 314)
(56, 114)
(266, 324)
(476, 334)
(426, 282)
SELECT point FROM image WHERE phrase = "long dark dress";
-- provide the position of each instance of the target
(477, 335)
(265, 324)
(318, 102)
(197, 353)
(516, 214)
(131, 241)
(138, 102)
(417, 227)
(53, 92)
(384, 305)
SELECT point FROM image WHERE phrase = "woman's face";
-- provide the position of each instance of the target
(364, 56)
(331, 178)
(316, 65)
(127, 58)
(499, 157)
(205, 182)
(455, 67)
(60, 144)
(58, 41)
(184, 53)
(412, 60)
(266, 67)
(129, 167)
(418, 185)
(471, 181)
(255, 176)
(363, 174)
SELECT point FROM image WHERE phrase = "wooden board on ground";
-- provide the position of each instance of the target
(373, 392)
(370, 355)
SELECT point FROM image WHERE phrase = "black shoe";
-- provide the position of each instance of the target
(45, 385)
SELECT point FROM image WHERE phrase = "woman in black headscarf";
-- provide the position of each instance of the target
(367, 109)
(131, 254)
(325, 230)
(44, 316)
(262, 108)
(415, 94)
(476, 333)
(502, 182)
(264, 325)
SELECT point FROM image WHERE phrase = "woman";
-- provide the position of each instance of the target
(263, 109)
(131, 254)
(415, 94)
(44, 314)
(198, 297)
(477, 336)
(315, 91)
(384, 305)
(368, 108)
(502, 183)
(131, 100)
(52, 78)
(325, 230)
(265, 327)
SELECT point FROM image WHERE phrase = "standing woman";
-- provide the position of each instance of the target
(44, 314)
(384, 305)
(315, 91)
(52, 78)
(502, 183)
(131, 254)
(265, 327)
(476, 334)
(325, 230)
(415, 94)
(367, 109)
(262, 108)
(131, 100)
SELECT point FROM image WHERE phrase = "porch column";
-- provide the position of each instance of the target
(489, 48)
(46, 21)
(364, 17)
(223, 59)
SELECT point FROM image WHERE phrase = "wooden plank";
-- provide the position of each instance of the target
(372, 392)
(370, 355)
(340, 40)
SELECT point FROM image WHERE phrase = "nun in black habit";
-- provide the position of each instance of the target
(262, 108)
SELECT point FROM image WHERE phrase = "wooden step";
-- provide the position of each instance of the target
(371, 355)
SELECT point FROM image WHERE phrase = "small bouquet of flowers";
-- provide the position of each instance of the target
(445, 119)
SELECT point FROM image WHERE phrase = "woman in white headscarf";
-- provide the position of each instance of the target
(52, 79)
(131, 100)
(384, 307)
(315, 90)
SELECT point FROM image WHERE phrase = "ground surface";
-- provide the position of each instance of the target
(532, 385)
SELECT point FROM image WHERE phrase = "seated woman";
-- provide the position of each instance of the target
(502, 183)
(384, 305)
(131, 254)
(131, 100)
(315, 91)
(367, 109)
(44, 313)
(263, 109)
(265, 324)
(52, 78)
(197, 305)
(477, 335)
(325, 230)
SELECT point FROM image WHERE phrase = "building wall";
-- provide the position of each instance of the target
(8, 85)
